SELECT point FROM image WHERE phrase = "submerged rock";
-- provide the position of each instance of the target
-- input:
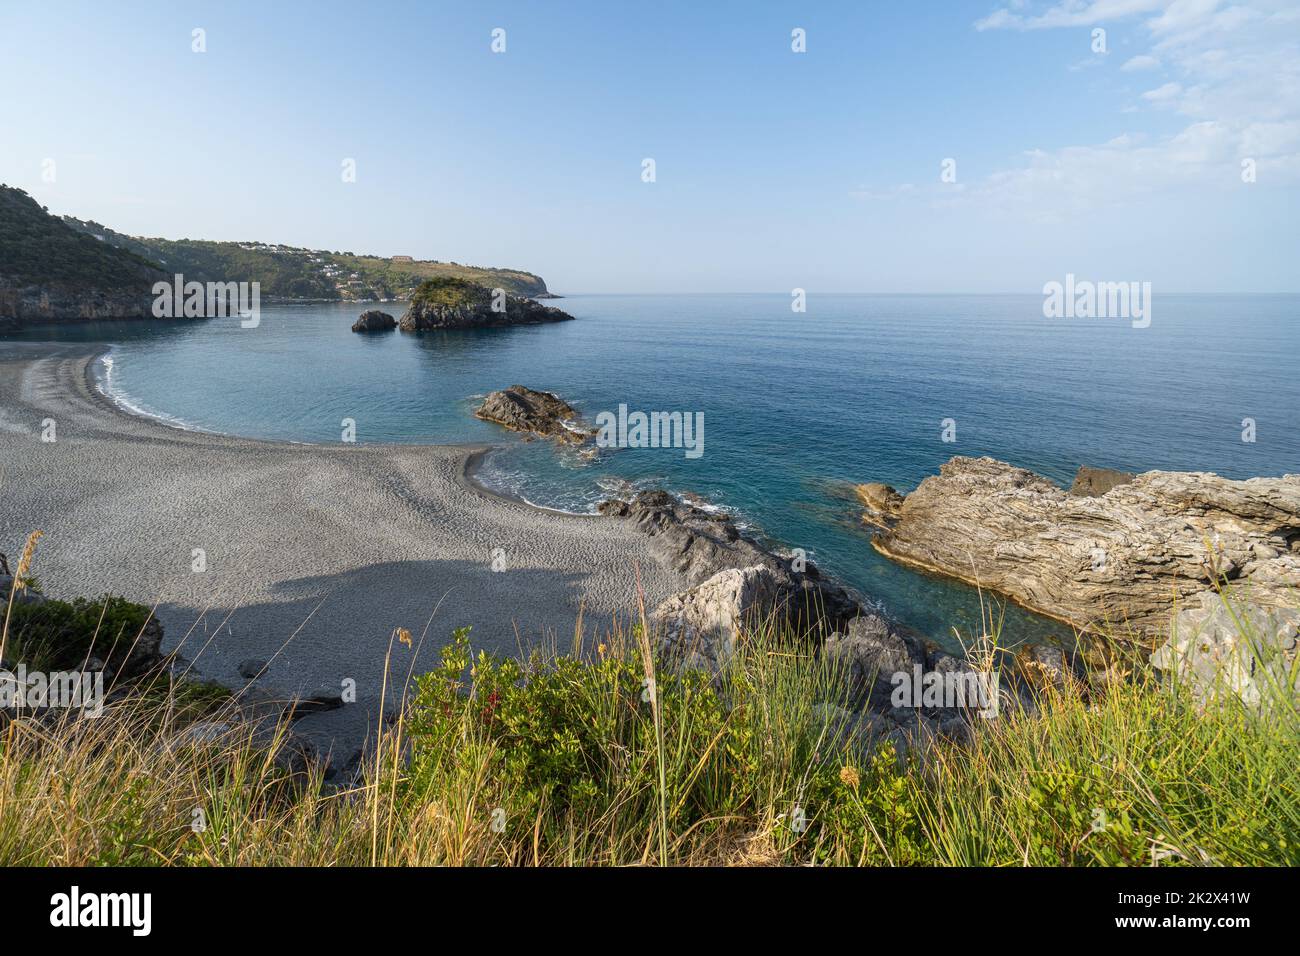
(445, 303)
(374, 321)
(532, 412)
(1115, 562)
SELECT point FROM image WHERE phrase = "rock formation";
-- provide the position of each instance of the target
(700, 626)
(527, 410)
(373, 320)
(1120, 560)
(60, 302)
(1222, 650)
(733, 578)
(440, 304)
(881, 503)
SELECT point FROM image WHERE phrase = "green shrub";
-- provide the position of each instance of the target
(61, 635)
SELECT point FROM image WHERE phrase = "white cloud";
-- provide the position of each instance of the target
(1143, 62)
(1236, 81)
(1163, 94)
(866, 194)
(1068, 14)
(1183, 15)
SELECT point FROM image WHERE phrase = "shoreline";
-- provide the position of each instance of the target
(306, 556)
(474, 452)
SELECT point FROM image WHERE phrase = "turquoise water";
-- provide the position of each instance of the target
(796, 406)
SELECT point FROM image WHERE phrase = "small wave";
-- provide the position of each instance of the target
(110, 390)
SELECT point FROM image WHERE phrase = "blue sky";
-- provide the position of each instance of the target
(775, 170)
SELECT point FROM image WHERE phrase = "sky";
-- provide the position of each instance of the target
(1115, 156)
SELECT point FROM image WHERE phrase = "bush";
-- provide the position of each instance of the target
(570, 760)
(60, 635)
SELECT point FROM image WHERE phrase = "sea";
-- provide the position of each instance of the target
(797, 406)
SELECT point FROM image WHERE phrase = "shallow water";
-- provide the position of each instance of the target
(796, 406)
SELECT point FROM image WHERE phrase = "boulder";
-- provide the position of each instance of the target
(698, 543)
(1224, 649)
(532, 412)
(374, 321)
(872, 652)
(1114, 563)
(700, 625)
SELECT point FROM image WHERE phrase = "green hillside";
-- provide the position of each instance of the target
(291, 272)
(38, 249)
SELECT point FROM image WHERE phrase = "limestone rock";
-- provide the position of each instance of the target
(700, 625)
(882, 503)
(1220, 651)
(699, 543)
(1117, 561)
(872, 653)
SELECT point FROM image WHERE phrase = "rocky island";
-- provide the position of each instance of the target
(448, 303)
(534, 413)
(372, 320)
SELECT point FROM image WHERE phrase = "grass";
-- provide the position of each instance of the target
(602, 756)
(449, 291)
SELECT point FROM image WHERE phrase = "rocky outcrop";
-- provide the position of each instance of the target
(1118, 561)
(1091, 482)
(881, 503)
(1220, 650)
(527, 410)
(63, 303)
(871, 652)
(441, 304)
(701, 544)
(373, 320)
(700, 626)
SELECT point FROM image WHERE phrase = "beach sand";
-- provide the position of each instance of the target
(314, 553)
